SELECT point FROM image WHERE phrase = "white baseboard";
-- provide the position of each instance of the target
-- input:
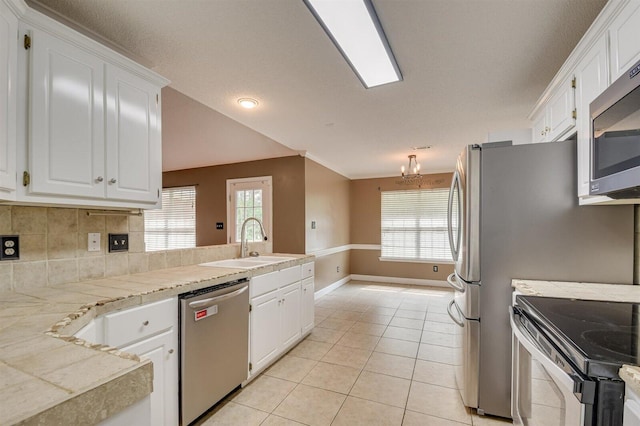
(328, 289)
(396, 280)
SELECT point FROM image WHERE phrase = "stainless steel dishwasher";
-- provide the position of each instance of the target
(214, 345)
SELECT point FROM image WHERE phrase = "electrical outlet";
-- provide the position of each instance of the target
(219, 225)
(93, 241)
(118, 242)
(313, 224)
(337, 269)
(10, 247)
(435, 268)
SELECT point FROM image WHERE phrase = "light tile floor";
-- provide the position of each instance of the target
(380, 354)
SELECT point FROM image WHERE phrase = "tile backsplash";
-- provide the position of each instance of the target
(54, 249)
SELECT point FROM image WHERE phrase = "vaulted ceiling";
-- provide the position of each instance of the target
(470, 67)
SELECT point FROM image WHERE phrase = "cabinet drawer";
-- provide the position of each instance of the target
(289, 275)
(265, 283)
(125, 327)
(308, 270)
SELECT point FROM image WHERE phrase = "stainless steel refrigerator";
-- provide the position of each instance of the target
(513, 213)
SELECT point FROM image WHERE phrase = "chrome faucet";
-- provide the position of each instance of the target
(243, 236)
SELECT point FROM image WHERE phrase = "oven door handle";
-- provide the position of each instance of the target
(584, 390)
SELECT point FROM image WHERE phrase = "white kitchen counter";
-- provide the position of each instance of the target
(47, 376)
(577, 290)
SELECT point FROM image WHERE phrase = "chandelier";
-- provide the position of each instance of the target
(411, 175)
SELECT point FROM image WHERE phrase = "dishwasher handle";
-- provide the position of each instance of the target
(205, 303)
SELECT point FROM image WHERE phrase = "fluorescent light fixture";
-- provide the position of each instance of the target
(356, 31)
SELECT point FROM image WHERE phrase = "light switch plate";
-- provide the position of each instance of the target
(93, 241)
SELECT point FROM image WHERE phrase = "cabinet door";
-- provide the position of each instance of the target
(265, 329)
(540, 128)
(8, 105)
(307, 307)
(134, 148)
(290, 317)
(66, 145)
(560, 112)
(625, 35)
(592, 78)
(162, 351)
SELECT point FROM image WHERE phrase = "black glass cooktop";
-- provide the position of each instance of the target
(598, 337)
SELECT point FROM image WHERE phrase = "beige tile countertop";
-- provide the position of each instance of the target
(47, 376)
(631, 376)
(588, 291)
(575, 290)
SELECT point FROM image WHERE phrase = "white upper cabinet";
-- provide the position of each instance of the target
(557, 118)
(66, 126)
(8, 106)
(624, 34)
(88, 120)
(134, 144)
(592, 78)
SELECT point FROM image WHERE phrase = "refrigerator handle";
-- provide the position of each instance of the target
(453, 282)
(459, 322)
(455, 181)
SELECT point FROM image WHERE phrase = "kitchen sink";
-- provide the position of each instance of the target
(247, 262)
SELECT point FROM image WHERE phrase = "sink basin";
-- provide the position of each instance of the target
(247, 262)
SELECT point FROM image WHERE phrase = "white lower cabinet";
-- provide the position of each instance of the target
(281, 314)
(149, 331)
(307, 306)
(631, 416)
(163, 353)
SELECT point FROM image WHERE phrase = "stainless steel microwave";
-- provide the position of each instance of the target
(615, 138)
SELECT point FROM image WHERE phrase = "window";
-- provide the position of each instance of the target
(250, 197)
(414, 225)
(174, 226)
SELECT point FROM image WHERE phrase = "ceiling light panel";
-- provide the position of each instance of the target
(355, 29)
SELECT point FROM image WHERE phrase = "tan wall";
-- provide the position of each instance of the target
(365, 229)
(211, 207)
(332, 268)
(327, 203)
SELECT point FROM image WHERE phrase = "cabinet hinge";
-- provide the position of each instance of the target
(157, 98)
(573, 83)
(27, 42)
(26, 178)
(574, 113)
(250, 366)
(158, 193)
(250, 307)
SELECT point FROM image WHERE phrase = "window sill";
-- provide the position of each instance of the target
(432, 261)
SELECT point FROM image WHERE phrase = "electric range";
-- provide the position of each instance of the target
(589, 341)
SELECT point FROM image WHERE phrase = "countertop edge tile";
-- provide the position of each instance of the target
(578, 290)
(131, 384)
(631, 376)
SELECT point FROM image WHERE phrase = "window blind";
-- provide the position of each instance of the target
(414, 225)
(174, 226)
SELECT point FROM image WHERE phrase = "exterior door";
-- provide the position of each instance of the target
(66, 144)
(249, 197)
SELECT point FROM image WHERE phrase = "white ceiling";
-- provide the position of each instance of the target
(470, 67)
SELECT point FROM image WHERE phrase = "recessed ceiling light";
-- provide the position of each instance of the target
(357, 33)
(248, 103)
